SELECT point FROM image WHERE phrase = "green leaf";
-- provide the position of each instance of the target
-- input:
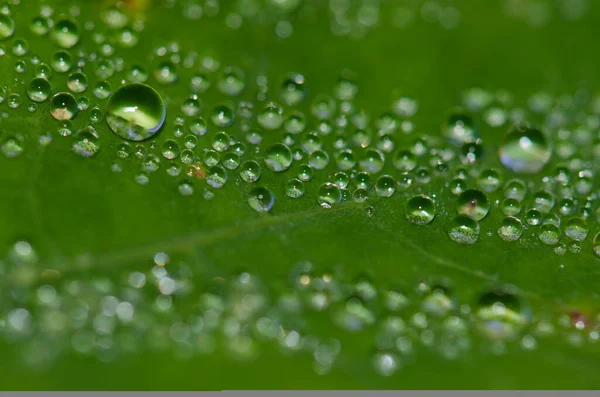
(128, 265)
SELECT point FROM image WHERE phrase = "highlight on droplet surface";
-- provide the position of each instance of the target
(135, 112)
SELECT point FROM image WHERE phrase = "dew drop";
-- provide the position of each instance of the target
(420, 210)
(261, 199)
(250, 171)
(329, 194)
(65, 33)
(464, 230)
(474, 204)
(576, 229)
(511, 229)
(39, 89)
(278, 157)
(294, 188)
(63, 106)
(525, 150)
(135, 112)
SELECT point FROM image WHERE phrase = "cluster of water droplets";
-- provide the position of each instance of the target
(320, 147)
(165, 306)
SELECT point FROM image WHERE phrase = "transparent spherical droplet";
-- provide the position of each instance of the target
(404, 160)
(65, 33)
(460, 129)
(250, 171)
(63, 106)
(232, 81)
(166, 73)
(293, 90)
(192, 106)
(137, 74)
(511, 229)
(170, 149)
(61, 62)
(231, 161)
(39, 26)
(294, 188)
(525, 150)
(216, 177)
(318, 159)
(385, 186)
(102, 90)
(328, 195)
(543, 201)
(533, 217)
(221, 141)
(222, 116)
(198, 126)
(420, 210)
(341, 179)
(457, 186)
(549, 234)
(345, 160)
(474, 204)
(261, 199)
(596, 244)
(77, 82)
(489, 180)
(511, 206)
(360, 195)
(576, 229)
(372, 161)
(271, 117)
(278, 157)
(7, 26)
(39, 89)
(135, 112)
(464, 230)
(515, 189)
(305, 172)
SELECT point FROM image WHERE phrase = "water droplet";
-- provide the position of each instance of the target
(77, 82)
(61, 62)
(511, 206)
(250, 171)
(474, 204)
(318, 159)
(596, 244)
(329, 194)
(7, 26)
(404, 160)
(294, 188)
(232, 81)
(63, 106)
(192, 106)
(511, 229)
(86, 144)
(525, 150)
(533, 217)
(216, 176)
(293, 90)
(170, 149)
(261, 199)
(372, 161)
(489, 180)
(135, 112)
(385, 186)
(464, 230)
(460, 129)
(278, 157)
(39, 89)
(305, 172)
(576, 229)
(166, 73)
(271, 117)
(65, 33)
(345, 160)
(549, 234)
(420, 210)
(222, 116)
(39, 26)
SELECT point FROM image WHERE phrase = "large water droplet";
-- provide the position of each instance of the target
(261, 199)
(525, 150)
(63, 106)
(420, 210)
(135, 112)
(39, 89)
(278, 157)
(474, 204)
(465, 230)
